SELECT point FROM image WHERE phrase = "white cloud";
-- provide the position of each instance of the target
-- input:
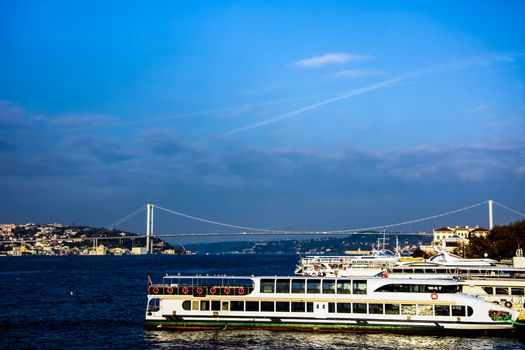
(331, 58)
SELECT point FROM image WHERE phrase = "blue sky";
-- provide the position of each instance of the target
(301, 115)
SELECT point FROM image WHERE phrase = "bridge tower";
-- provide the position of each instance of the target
(149, 228)
(491, 218)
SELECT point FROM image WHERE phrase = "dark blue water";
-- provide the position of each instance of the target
(99, 303)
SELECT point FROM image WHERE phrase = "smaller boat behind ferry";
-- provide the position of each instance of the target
(359, 304)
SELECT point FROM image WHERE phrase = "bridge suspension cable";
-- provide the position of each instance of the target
(320, 232)
(510, 209)
(120, 221)
(420, 220)
(216, 222)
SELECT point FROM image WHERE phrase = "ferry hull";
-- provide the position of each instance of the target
(429, 329)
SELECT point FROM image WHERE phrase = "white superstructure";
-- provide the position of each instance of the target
(370, 304)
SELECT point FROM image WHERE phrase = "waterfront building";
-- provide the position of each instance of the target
(452, 238)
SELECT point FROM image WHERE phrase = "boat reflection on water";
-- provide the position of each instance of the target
(259, 339)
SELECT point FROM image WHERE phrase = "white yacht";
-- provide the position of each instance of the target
(487, 278)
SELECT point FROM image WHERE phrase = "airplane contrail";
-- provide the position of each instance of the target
(479, 61)
(354, 92)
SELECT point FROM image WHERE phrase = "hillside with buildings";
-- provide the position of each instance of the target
(58, 239)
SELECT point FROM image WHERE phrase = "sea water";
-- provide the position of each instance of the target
(98, 302)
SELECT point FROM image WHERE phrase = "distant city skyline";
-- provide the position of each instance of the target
(279, 115)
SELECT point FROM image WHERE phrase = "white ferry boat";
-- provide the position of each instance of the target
(321, 304)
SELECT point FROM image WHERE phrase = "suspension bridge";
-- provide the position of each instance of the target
(259, 231)
(244, 231)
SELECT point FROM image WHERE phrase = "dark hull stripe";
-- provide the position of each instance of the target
(221, 325)
(330, 319)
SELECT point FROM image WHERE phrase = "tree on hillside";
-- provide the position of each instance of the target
(501, 243)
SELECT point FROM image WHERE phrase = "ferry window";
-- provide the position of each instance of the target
(328, 286)
(236, 305)
(186, 305)
(309, 307)
(442, 310)
(282, 286)
(154, 305)
(297, 306)
(441, 271)
(224, 306)
(502, 291)
(252, 306)
(195, 305)
(215, 305)
(470, 311)
(458, 310)
(267, 285)
(282, 306)
(298, 286)
(331, 307)
(267, 306)
(205, 305)
(390, 288)
(392, 309)
(375, 308)
(344, 308)
(415, 288)
(449, 289)
(517, 291)
(408, 309)
(419, 271)
(344, 286)
(359, 308)
(359, 287)
(313, 286)
(488, 290)
(425, 310)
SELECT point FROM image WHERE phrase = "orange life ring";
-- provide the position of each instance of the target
(213, 290)
(185, 290)
(434, 296)
(170, 290)
(240, 291)
(226, 290)
(199, 290)
(156, 290)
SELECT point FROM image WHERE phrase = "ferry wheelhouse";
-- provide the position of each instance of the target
(371, 304)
